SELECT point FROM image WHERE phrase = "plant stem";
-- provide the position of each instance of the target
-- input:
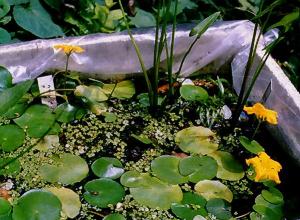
(67, 62)
(184, 57)
(110, 95)
(54, 90)
(256, 129)
(138, 52)
(171, 60)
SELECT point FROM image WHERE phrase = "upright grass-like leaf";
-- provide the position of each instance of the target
(138, 52)
(198, 31)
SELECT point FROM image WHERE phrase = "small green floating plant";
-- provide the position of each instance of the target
(102, 155)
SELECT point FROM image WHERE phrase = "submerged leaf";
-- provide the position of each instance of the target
(219, 208)
(123, 90)
(92, 93)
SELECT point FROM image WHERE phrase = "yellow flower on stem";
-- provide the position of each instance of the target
(68, 49)
(265, 168)
(262, 113)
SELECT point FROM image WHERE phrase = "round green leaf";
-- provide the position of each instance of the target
(123, 90)
(4, 8)
(11, 137)
(69, 199)
(103, 192)
(48, 142)
(5, 208)
(11, 169)
(36, 20)
(66, 169)
(66, 112)
(193, 93)
(267, 209)
(136, 179)
(143, 19)
(198, 168)
(166, 169)
(4, 38)
(37, 119)
(92, 93)
(251, 145)
(107, 167)
(273, 196)
(5, 76)
(109, 117)
(11, 96)
(37, 205)
(157, 195)
(197, 140)
(219, 208)
(16, 111)
(184, 209)
(228, 167)
(114, 216)
(211, 189)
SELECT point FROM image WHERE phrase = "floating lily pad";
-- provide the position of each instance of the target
(251, 145)
(12, 169)
(66, 169)
(150, 191)
(219, 208)
(114, 216)
(198, 168)
(11, 137)
(65, 112)
(273, 196)
(211, 189)
(92, 93)
(228, 167)
(69, 199)
(102, 192)
(166, 169)
(267, 209)
(108, 167)
(157, 195)
(5, 209)
(193, 93)
(37, 205)
(37, 120)
(136, 179)
(196, 140)
(184, 210)
(123, 90)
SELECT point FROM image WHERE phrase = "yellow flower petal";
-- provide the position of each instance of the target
(68, 49)
(265, 168)
(262, 113)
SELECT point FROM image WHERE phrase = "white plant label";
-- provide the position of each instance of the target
(46, 87)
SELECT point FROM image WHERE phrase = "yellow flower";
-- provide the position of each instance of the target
(262, 113)
(265, 168)
(68, 49)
